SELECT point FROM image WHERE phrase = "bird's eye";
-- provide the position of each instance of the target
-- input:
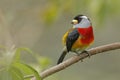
(79, 20)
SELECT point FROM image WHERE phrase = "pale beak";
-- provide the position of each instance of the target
(74, 22)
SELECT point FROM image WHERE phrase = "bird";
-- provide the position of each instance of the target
(78, 38)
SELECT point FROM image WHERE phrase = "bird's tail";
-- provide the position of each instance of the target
(62, 56)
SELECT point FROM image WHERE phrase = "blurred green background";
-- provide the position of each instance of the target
(40, 25)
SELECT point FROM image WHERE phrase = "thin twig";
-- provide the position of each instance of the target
(76, 58)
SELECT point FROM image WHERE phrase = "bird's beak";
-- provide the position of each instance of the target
(74, 22)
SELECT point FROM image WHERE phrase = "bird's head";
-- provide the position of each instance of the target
(81, 21)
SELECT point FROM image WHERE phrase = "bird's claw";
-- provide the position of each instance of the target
(86, 53)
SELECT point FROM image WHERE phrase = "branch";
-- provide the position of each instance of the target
(76, 58)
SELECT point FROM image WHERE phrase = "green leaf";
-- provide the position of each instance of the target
(27, 70)
(15, 73)
(11, 73)
(17, 53)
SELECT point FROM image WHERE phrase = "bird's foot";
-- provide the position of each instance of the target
(83, 52)
(86, 53)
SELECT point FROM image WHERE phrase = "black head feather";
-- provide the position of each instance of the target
(78, 18)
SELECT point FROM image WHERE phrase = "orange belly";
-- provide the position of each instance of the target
(80, 46)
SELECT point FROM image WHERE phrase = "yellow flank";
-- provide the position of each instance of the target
(65, 36)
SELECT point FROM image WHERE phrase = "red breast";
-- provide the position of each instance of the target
(86, 35)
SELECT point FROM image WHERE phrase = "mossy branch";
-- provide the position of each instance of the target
(74, 59)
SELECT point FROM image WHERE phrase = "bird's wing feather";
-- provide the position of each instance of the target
(71, 38)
